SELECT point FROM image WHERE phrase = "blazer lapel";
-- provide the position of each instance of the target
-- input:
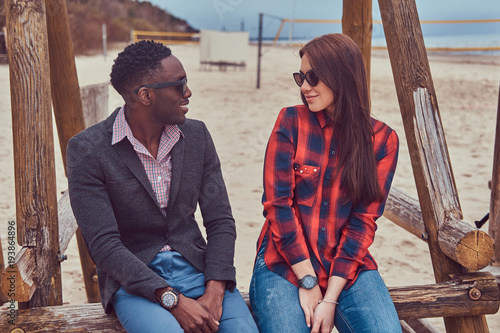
(177, 154)
(129, 157)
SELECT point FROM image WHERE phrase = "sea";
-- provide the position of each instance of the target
(483, 37)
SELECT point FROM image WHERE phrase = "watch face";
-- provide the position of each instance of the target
(169, 299)
(308, 282)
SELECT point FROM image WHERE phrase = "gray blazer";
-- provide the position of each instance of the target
(117, 211)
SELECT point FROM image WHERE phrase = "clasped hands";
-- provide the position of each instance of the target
(321, 315)
(201, 315)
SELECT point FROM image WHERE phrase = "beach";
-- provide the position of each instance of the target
(240, 118)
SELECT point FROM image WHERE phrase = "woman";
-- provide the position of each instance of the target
(327, 174)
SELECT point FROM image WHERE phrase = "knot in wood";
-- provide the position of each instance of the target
(475, 294)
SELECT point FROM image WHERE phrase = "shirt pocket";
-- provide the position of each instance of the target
(306, 183)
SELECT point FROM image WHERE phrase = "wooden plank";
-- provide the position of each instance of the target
(456, 297)
(425, 136)
(494, 224)
(459, 240)
(412, 302)
(34, 166)
(357, 23)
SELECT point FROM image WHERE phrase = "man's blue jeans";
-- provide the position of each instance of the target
(138, 314)
(365, 307)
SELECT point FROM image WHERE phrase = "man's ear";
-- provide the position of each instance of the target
(144, 96)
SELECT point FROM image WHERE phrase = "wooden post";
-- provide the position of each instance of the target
(68, 110)
(34, 166)
(357, 24)
(494, 227)
(259, 49)
(66, 97)
(425, 136)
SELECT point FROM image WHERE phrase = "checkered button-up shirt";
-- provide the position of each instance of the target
(306, 217)
(159, 170)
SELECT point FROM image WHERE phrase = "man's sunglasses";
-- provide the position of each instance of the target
(182, 84)
(310, 76)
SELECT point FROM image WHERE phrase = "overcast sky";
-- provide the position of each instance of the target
(229, 14)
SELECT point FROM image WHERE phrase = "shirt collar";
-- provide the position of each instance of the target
(323, 118)
(122, 130)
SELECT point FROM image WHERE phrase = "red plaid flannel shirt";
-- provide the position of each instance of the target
(305, 217)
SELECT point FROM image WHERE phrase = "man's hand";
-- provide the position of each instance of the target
(213, 296)
(194, 316)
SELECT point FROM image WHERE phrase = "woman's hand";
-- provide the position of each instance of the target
(309, 301)
(324, 318)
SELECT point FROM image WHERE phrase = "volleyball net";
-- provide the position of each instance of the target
(439, 35)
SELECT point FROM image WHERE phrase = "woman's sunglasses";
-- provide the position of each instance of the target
(310, 76)
(181, 85)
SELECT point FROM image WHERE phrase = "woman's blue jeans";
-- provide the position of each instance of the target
(365, 307)
(138, 314)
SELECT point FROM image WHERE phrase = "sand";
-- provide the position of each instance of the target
(240, 118)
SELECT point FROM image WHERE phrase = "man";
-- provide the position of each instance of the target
(135, 180)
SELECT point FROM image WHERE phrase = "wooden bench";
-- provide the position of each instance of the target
(464, 295)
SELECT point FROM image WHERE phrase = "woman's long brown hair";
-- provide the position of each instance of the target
(338, 62)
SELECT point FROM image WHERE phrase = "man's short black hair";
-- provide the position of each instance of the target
(135, 62)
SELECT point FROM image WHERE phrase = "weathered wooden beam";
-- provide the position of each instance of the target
(459, 240)
(68, 110)
(34, 165)
(357, 23)
(494, 225)
(467, 294)
(66, 97)
(426, 141)
(404, 211)
(65, 88)
(464, 295)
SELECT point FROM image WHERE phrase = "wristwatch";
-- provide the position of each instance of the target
(308, 282)
(170, 298)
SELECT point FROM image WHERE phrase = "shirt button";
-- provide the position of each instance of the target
(159, 177)
(325, 203)
(328, 177)
(333, 152)
(322, 228)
